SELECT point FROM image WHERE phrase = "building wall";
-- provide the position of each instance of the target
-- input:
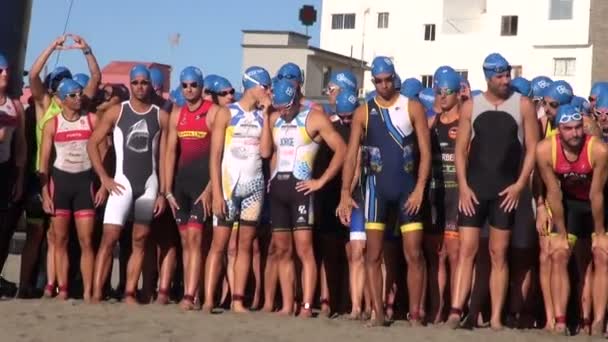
(598, 29)
(466, 32)
(272, 58)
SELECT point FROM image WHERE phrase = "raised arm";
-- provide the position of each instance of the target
(95, 74)
(39, 93)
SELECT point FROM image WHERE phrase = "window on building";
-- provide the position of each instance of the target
(429, 32)
(516, 71)
(464, 74)
(560, 10)
(509, 25)
(427, 81)
(383, 20)
(564, 66)
(343, 21)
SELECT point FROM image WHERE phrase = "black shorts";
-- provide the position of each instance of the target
(33, 201)
(6, 185)
(289, 209)
(444, 213)
(189, 215)
(327, 222)
(488, 210)
(578, 217)
(72, 193)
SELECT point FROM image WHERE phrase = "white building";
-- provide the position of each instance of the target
(561, 39)
(272, 49)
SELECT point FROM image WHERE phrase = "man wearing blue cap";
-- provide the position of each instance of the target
(48, 105)
(12, 168)
(538, 86)
(157, 80)
(411, 87)
(139, 133)
(292, 134)
(396, 148)
(600, 113)
(492, 170)
(573, 167)
(293, 73)
(597, 89)
(237, 183)
(441, 240)
(221, 91)
(188, 186)
(342, 80)
(67, 186)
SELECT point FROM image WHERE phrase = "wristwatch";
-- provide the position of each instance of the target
(87, 50)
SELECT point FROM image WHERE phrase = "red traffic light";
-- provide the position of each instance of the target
(308, 15)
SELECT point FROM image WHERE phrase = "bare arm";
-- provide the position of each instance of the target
(334, 141)
(462, 143)
(530, 125)
(20, 142)
(95, 78)
(171, 153)
(164, 124)
(217, 148)
(355, 181)
(352, 149)
(554, 193)
(421, 127)
(266, 143)
(36, 85)
(99, 135)
(45, 154)
(598, 182)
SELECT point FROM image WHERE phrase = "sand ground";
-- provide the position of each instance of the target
(50, 320)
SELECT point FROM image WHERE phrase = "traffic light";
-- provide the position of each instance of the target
(308, 15)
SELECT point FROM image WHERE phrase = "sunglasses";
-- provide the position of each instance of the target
(444, 91)
(570, 117)
(74, 95)
(142, 83)
(191, 85)
(263, 86)
(598, 113)
(225, 93)
(383, 80)
(553, 104)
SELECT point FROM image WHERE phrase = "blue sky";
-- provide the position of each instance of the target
(140, 30)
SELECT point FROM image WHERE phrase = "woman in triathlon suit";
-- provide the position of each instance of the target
(68, 188)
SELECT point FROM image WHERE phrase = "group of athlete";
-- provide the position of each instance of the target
(448, 204)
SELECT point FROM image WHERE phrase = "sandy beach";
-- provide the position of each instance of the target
(50, 320)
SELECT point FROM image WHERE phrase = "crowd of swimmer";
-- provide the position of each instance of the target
(439, 205)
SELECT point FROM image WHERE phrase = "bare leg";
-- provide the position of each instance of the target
(271, 276)
(29, 256)
(84, 228)
(545, 281)
(61, 227)
(284, 252)
(469, 243)
(373, 261)
(600, 290)
(103, 263)
(257, 273)
(242, 266)
(134, 268)
(213, 267)
(436, 257)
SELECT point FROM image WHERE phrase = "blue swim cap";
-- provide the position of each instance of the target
(521, 85)
(82, 79)
(411, 87)
(346, 102)
(238, 96)
(256, 76)
(139, 70)
(344, 79)
(220, 83)
(156, 78)
(208, 81)
(3, 61)
(581, 103)
(283, 93)
(290, 71)
(567, 113)
(177, 97)
(447, 80)
(598, 87)
(191, 74)
(60, 73)
(494, 64)
(443, 69)
(539, 85)
(560, 91)
(427, 98)
(602, 101)
(68, 86)
(382, 65)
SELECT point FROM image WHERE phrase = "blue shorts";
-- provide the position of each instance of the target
(357, 225)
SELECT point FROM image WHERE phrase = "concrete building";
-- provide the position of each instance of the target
(272, 49)
(562, 39)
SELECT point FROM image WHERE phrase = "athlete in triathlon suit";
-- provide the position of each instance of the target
(237, 182)
(342, 80)
(441, 239)
(573, 166)
(68, 186)
(597, 89)
(48, 105)
(12, 169)
(394, 134)
(492, 170)
(293, 73)
(138, 184)
(293, 132)
(190, 198)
